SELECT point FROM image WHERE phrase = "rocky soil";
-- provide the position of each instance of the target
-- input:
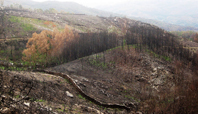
(35, 92)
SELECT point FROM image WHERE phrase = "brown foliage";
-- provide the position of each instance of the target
(47, 44)
(48, 23)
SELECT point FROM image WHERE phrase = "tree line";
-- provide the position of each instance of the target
(158, 41)
(54, 47)
(67, 45)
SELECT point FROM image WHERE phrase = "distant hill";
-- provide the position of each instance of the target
(72, 7)
(179, 12)
(166, 26)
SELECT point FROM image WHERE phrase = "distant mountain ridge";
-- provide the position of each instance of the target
(179, 12)
(166, 26)
(72, 7)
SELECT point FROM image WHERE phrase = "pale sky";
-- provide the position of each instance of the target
(89, 3)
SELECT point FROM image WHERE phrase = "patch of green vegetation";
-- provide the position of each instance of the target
(23, 23)
(3, 51)
(14, 19)
(123, 47)
(170, 100)
(132, 98)
(134, 45)
(113, 29)
(153, 53)
(27, 63)
(118, 110)
(114, 48)
(28, 27)
(28, 23)
(150, 52)
(166, 58)
(13, 67)
(98, 56)
(82, 29)
(112, 62)
(32, 99)
(17, 96)
(98, 63)
(81, 97)
(40, 60)
(2, 68)
(100, 106)
(60, 110)
(166, 101)
(67, 81)
(158, 56)
(18, 68)
(124, 42)
(37, 21)
(40, 100)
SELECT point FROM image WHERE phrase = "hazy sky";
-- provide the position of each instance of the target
(89, 3)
